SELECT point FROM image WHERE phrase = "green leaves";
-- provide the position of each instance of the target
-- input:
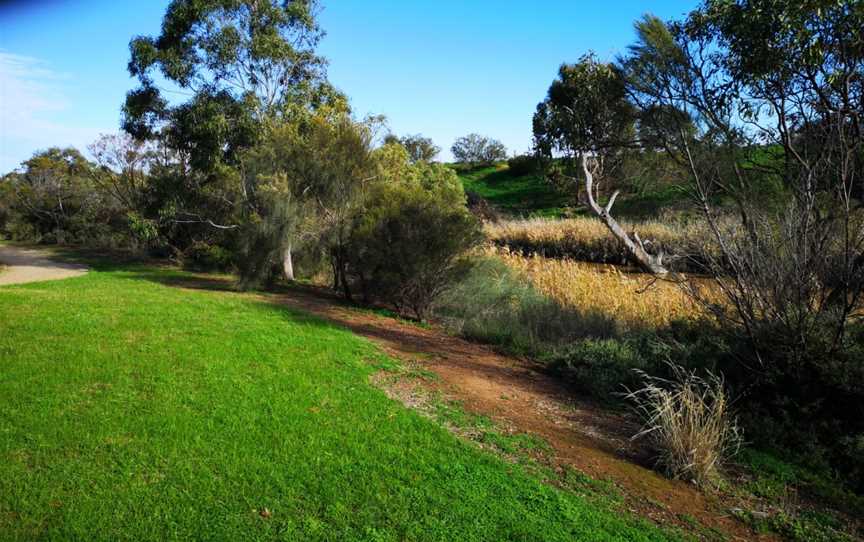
(243, 61)
(586, 109)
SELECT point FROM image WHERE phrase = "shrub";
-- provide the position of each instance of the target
(524, 164)
(420, 149)
(481, 208)
(406, 247)
(202, 256)
(688, 422)
(600, 367)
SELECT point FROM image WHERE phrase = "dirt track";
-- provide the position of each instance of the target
(517, 395)
(23, 265)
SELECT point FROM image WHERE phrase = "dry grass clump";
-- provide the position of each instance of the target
(635, 300)
(587, 239)
(688, 422)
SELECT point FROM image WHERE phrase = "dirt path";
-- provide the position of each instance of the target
(517, 395)
(23, 265)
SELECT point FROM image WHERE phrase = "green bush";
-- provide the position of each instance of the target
(524, 164)
(406, 247)
(601, 367)
(202, 256)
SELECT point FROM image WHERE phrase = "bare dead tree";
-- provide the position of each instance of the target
(653, 263)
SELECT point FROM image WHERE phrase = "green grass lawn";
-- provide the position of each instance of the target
(528, 195)
(134, 410)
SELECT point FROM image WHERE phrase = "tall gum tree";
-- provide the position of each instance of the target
(245, 65)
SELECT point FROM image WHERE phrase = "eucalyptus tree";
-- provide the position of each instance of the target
(587, 119)
(245, 67)
(478, 150)
(52, 199)
(773, 96)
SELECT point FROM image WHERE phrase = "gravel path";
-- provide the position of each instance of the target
(24, 265)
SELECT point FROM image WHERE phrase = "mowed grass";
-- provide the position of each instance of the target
(526, 195)
(135, 410)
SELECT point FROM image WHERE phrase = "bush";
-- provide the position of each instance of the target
(497, 305)
(524, 164)
(688, 423)
(601, 367)
(206, 257)
(481, 208)
(407, 246)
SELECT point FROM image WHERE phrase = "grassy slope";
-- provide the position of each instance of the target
(531, 195)
(528, 195)
(134, 410)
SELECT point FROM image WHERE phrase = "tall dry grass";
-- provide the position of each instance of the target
(587, 239)
(688, 422)
(635, 300)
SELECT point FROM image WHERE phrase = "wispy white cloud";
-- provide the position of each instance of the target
(32, 102)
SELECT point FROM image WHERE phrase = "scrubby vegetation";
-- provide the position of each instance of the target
(728, 143)
(688, 421)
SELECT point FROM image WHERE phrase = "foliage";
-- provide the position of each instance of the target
(585, 113)
(688, 421)
(514, 194)
(205, 257)
(600, 367)
(55, 198)
(244, 63)
(420, 149)
(586, 110)
(795, 279)
(524, 164)
(476, 150)
(495, 304)
(212, 407)
(406, 247)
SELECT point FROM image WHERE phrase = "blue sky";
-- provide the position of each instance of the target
(442, 69)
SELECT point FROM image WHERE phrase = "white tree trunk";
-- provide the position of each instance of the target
(649, 262)
(288, 263)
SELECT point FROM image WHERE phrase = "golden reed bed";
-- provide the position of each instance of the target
(636, 300)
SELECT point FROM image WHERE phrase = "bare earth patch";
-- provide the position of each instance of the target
(23, 265)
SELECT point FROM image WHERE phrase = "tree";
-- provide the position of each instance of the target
(244, 62)
(476, 150)
(420, 149)
(306, 178)
(249, 67)
(771, 95)
(587, 117)
(53, 199)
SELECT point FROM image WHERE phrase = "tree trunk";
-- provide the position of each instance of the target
(649, 262)
(288, 263)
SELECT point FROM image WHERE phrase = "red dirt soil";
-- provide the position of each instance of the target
(516, 394)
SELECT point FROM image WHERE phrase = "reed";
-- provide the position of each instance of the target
(635, 300)
(587, 239)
